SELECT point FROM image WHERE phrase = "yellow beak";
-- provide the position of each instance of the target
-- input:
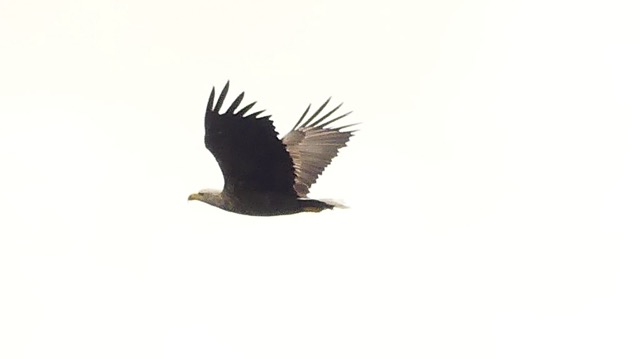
(195, 196)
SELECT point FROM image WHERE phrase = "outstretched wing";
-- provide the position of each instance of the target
(312, 146)
(247, 148)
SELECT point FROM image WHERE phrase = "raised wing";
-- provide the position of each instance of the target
(247, 148)
(312, 145)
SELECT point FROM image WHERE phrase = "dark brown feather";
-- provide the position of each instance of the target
(247, 148)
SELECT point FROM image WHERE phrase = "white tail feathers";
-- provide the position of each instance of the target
(334, 203)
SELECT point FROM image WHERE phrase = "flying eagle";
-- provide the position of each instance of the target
(265, 175)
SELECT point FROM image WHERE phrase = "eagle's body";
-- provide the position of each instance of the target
(266, 176)
(260, 203)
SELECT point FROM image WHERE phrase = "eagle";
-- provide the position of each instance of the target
(265, 175)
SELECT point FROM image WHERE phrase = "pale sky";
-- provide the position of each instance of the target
(493, 185)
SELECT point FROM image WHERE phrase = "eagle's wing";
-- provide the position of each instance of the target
(312, 146)
(247, 148)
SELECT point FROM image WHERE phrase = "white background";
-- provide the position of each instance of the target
(493, 185)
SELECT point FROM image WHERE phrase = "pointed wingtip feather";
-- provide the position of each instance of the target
(211, 98)
(255, 114)
(319, 121)
(223, 94)
(347, 126)
(306, 123)
(301, 118)
(246, 108)
(336, 119)
(235, 103)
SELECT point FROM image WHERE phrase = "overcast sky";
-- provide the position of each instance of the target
(493, 185)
